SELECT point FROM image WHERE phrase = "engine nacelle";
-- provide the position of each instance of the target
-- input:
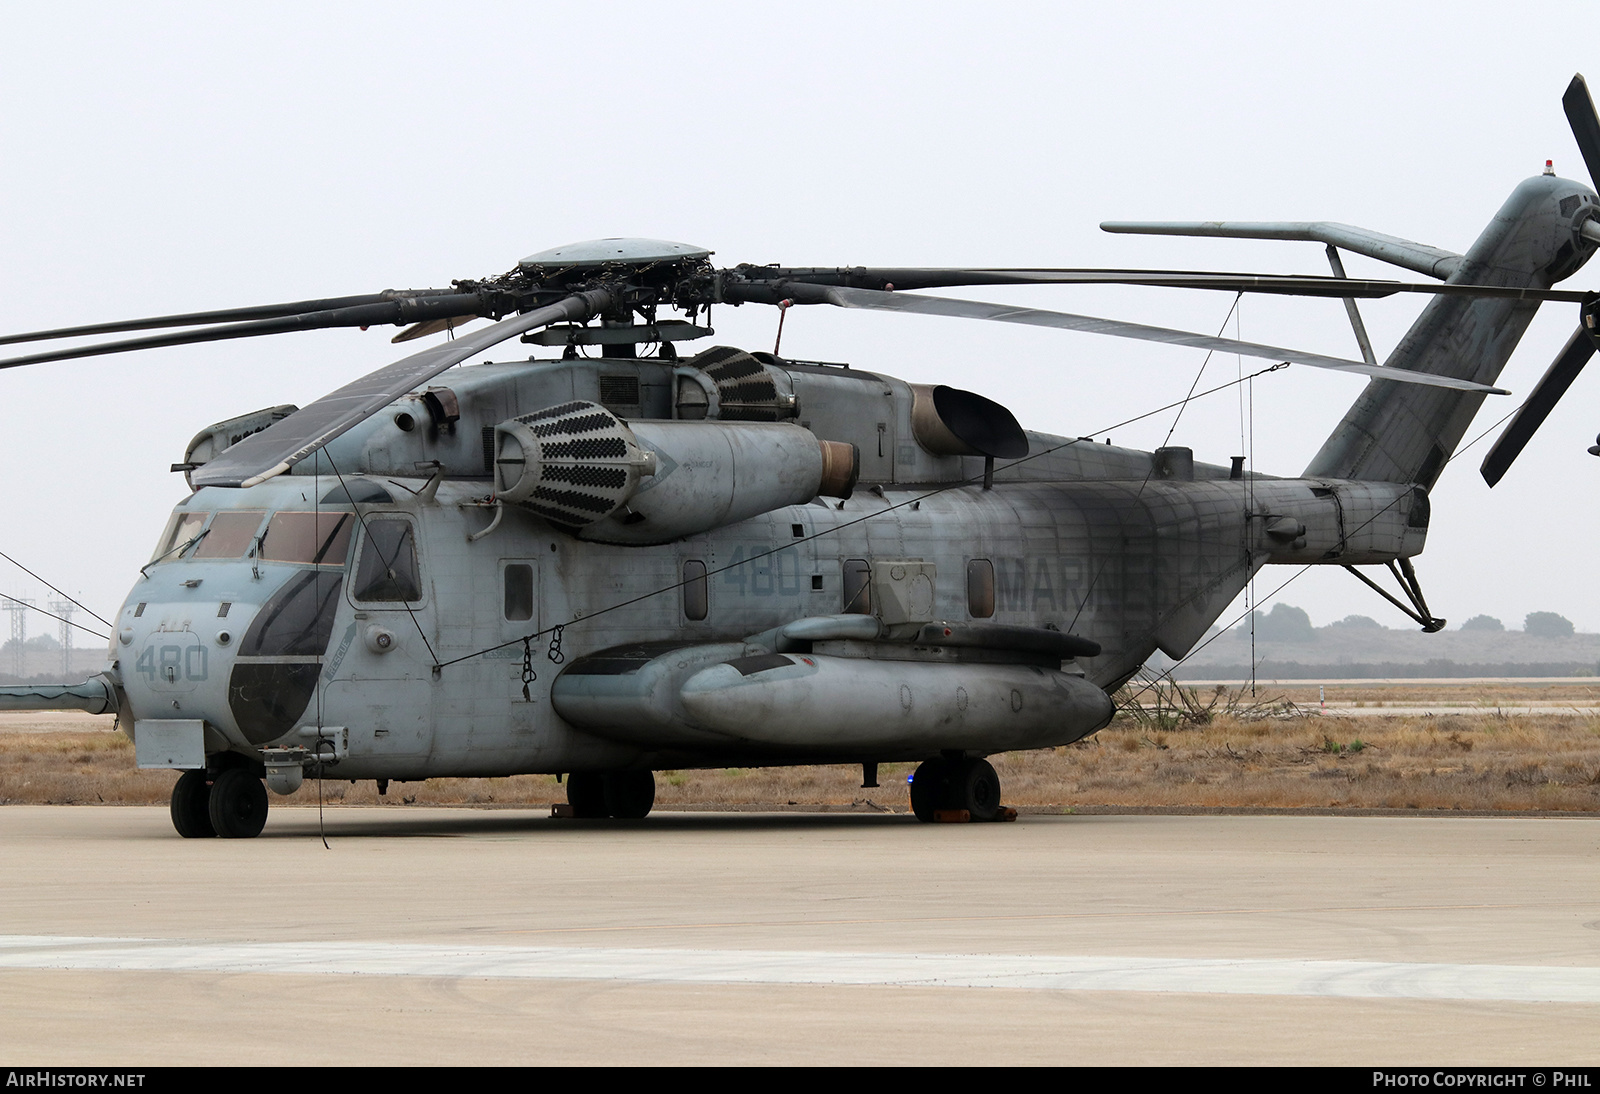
(581, 467)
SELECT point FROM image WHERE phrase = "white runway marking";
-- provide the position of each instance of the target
(1344, 979)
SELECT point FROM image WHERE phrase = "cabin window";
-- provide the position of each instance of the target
(182, 528)
(519, 591)
(388, 569)
(321, 538)
(696, 594)
(980, 588)
(857, 587)
(230, 534)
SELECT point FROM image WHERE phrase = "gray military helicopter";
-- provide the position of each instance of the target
(603, 566)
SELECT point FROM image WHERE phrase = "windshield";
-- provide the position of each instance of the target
(182, 528)
(230, 534)
(318, 537)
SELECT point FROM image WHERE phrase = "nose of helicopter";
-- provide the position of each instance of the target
(174, 648)
(243, 656)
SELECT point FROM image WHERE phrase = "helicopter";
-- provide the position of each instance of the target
(603, 566)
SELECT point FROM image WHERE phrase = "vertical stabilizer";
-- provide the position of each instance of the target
(1405, 432)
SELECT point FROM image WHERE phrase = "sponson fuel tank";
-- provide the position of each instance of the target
(650, 482)
(846, 698)
(787, 701)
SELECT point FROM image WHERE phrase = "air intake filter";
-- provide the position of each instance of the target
(573, 464)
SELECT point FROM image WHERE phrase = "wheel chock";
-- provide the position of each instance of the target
(963, 816)
(563, 810)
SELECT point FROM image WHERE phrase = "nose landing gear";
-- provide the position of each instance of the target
(232, 805)
(238, 804)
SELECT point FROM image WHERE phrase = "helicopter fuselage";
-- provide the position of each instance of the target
(283, 618)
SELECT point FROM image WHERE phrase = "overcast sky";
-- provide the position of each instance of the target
(161, 158)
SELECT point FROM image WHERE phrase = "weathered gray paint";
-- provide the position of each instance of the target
(1131, 550)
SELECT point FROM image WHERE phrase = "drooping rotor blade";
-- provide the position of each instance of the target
(1292, 284)
(1579, 106)
(403, 310)
(226, 315)
(764, 284)
(1551, 386)
(278, 447)
(1003, 313)
(1408, 254)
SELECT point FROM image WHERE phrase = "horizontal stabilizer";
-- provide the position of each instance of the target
(1430, 261)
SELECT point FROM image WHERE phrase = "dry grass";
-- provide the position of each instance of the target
(1469, 761)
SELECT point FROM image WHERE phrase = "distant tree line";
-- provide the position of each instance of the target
(1285, 623)
(37, 642)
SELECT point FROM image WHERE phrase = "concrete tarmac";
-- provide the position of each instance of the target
(465, 936)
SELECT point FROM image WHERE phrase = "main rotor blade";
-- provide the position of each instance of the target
(1551, 386)
(1001, 313)
(226, 315)
(1579, 106)
(278, 447)
(404, 310)
(763, 283)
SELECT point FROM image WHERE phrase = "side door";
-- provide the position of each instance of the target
(384, 686)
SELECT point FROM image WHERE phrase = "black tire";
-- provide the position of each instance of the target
(191, 806)
(238, 804)
(930, 788)
(630, 794)
(977, 790)
(586, 793)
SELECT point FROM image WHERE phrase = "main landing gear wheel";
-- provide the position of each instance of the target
(977, 789)
(238, 804)
(942, 784)
(626, 795)
(191, 806)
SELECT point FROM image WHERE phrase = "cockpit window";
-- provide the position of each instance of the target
(230, 534)
(388, 569)
(322, 538)
(182, 528)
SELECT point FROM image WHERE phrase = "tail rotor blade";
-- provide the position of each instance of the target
(1585, 123)
(1552, 385)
